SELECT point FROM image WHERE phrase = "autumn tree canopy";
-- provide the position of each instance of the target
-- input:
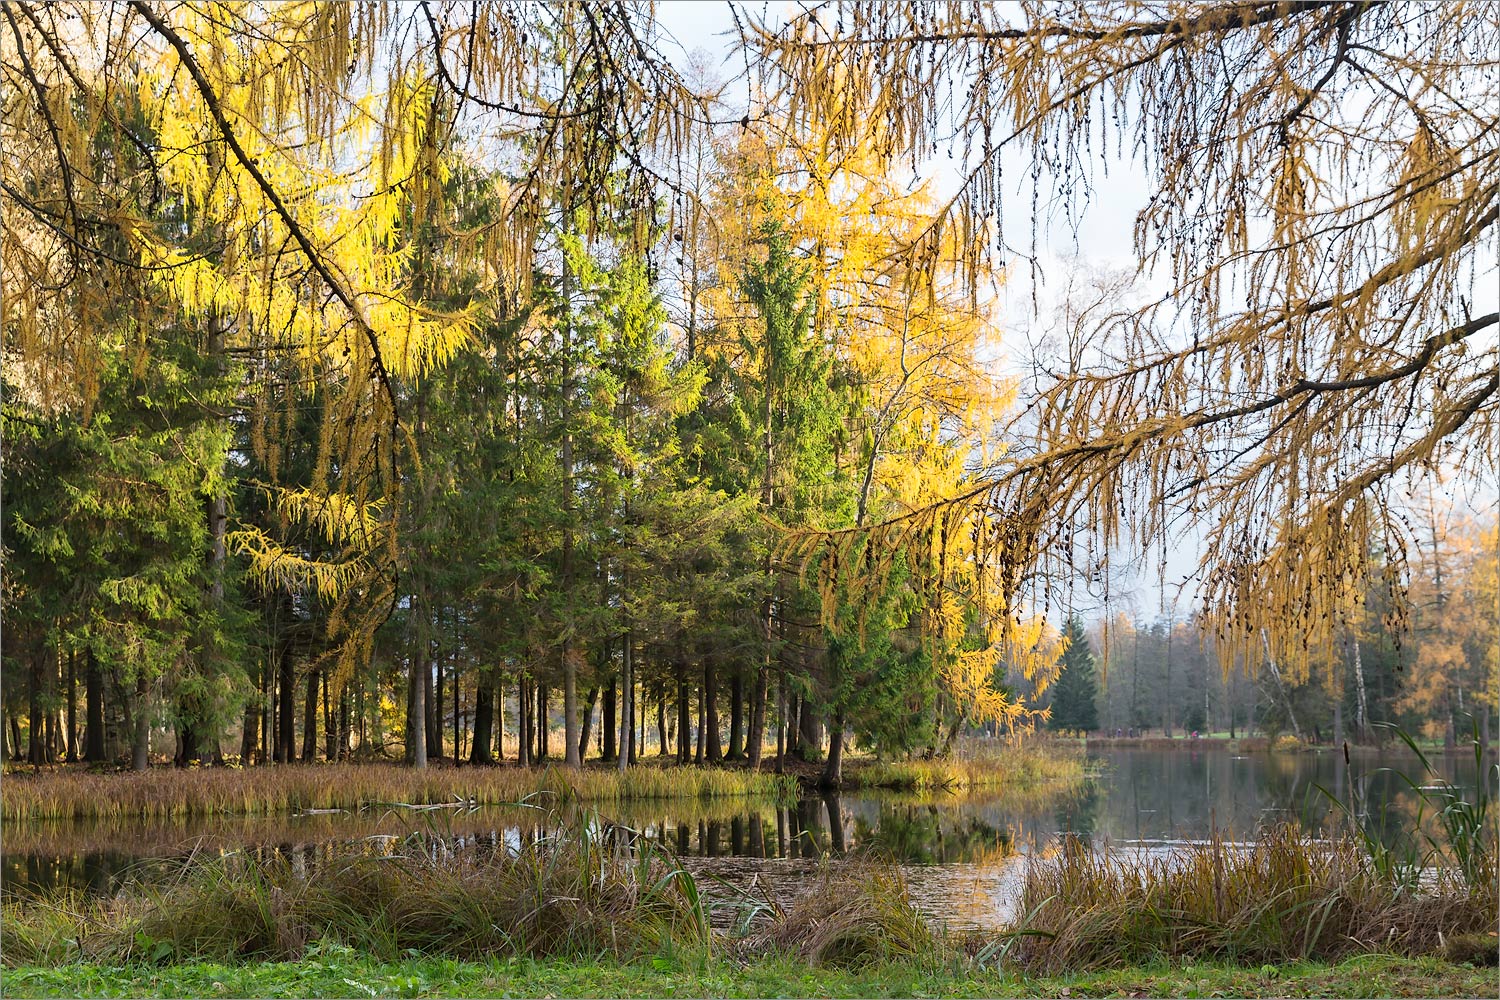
(1322, 208)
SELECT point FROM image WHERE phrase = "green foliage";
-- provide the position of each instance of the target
(1073, 707)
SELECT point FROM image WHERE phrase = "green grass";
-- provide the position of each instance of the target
(174, 792)
(340, 973)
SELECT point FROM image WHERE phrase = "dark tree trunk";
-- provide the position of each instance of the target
(250, 731)
(36, 752)
(684, 714)
(543, 725)
(661, 719)
(140, 744)
(793, 727)
(756, 736)
(736, 716)
(286, 717)
(586, 724)
(833, 773)
(93, 706)
(702, 725)
(310, 719)
(72, 705)
(809, 737)
(523, 721)
(499, 719)
(607, 723)
(435, 709)
(715, 750)
(484, 722)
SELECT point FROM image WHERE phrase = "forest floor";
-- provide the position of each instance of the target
(339, 973)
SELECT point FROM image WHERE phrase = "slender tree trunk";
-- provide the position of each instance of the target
(330, 727)
(1265, 642)
(715, 751)
(35, 752)
(72, 705)
(250, 731)
(93, 706)
(543, 724)
(684, 713)
(736, 716)
(140, 748)
(1361, 707)
(791, 731)
(499, 719)
(286, 709)
(607, 727)
(416, 729)
(702, 725)
(755, 736)
(627, 714)
(310, 718)
(661, 720)
(434, 675)
(586, 724)
(523, 722)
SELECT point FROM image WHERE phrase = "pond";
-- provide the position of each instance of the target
(963, 856)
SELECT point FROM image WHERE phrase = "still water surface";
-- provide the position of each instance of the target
(963, 856)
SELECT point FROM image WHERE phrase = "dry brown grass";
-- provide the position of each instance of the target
(164, 793)
(1287, 896)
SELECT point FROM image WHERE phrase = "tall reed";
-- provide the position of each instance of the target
(167, 793)
(1287, 896)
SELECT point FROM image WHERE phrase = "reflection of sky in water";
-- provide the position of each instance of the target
(963, 857)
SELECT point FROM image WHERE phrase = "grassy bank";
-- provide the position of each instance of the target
(338, 973)
(69, 793)
(1040, 766)
(174, 792)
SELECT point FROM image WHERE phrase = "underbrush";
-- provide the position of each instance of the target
(175, 792)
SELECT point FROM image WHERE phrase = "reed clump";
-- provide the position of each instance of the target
(578, 896)
(1287, 896)
(859, 912)
(178, 793)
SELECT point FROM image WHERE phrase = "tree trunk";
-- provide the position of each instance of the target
(572, 754)
(484, 721)
(610, 750)
(684, 714)
(250, 731)
(809, 730)
(756, 736)
(715, 750)
(310, 718)
(286, 717)
(416, 728)
(833, 773)
(93, 706)
(434, 676)
(543, 724)
(586, 724)
(72, 705)
(140, 746)
(36, 752)
(661, 719)
(523, 722)
(1361, 706)
(736, 716)
(499, 719)
(330, 727)
(627, 729)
